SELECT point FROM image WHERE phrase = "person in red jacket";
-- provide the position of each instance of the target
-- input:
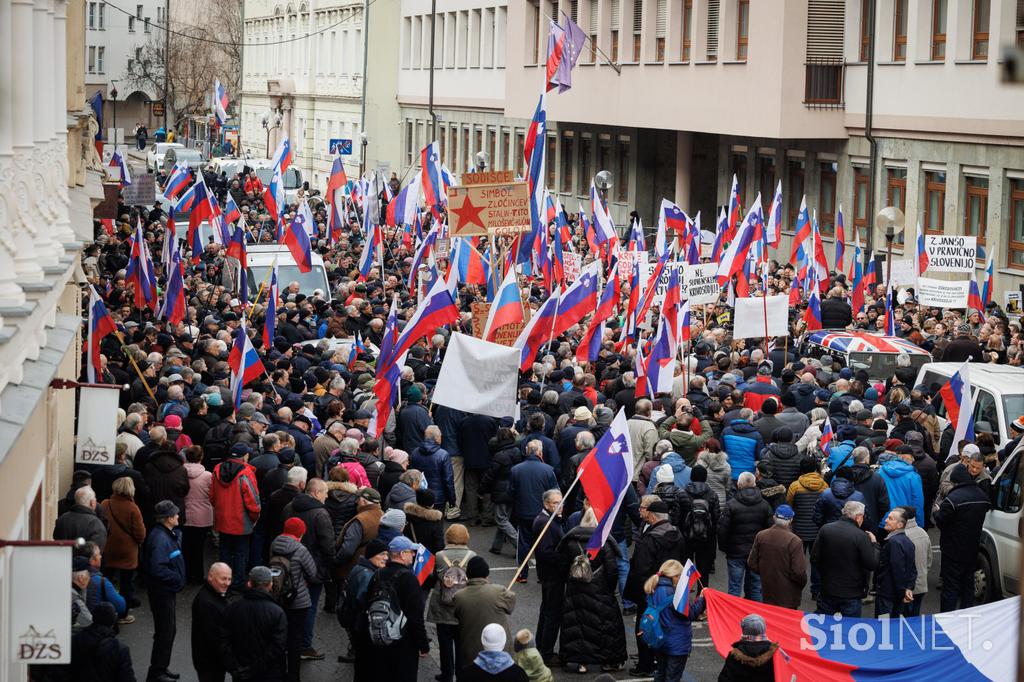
(235, 497)
(761, 388)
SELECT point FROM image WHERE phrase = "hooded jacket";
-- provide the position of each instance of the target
(803, 496)
(198, 509)
(960, 517)
(657, 544)
(902, 484)
(235, 497)
(680, 472)
(99, 657)
(719, 473)
(399, 494)
(784, 459)
(341, 503)
(302, 566)
(425, 526)
(436, 465)
(750, 661)
(829, 506)
(319, 537)
(742, 442)
(686, 443)
(876, 498)
(743, 517)
(167, 480)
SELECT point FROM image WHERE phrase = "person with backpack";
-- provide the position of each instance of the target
(352, 603)
(698, 520)
(665, 630)
(294, 570)
(394, 617)
(478, 604)
(449, 578)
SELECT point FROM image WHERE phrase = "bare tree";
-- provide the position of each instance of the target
(226, 15)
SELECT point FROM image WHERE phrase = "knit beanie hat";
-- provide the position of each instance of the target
(663, 474)
(699, 474)
(477, 568)
(493, 637)
(393, 518)
(295, 527)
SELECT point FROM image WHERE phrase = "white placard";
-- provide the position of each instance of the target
(903, 272)
(942, 293)
(479, 377)
(951, 253)
(700, 283)
(750, 317)
(39, 605)
(572, 264)
(97, 425)
(626, 260)
(661, 286)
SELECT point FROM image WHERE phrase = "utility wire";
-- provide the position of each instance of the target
(226, 43)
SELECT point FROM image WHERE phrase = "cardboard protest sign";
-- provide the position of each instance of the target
(951, 253)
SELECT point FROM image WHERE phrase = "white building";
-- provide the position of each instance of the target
(304, 79)
(112, 39)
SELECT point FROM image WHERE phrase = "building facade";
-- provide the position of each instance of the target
(303, 76)
(49, 185)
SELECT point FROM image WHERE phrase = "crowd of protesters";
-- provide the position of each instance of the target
(307, 513)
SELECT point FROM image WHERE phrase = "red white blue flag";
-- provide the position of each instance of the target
(507, 307)
(684, 588)
(537, 331)
(423, 566)
(244, 363)
(100, 324)
(958, 398)
(605, 474)
(220, 102)
(296, 238)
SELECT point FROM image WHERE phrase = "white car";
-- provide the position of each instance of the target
(998, 394)
(292, 178)
(155, 155)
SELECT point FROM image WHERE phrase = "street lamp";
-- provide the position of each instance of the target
(482, 160)
(270, 120)
(113, 98)
(890, 222)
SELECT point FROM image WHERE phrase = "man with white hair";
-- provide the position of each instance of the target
(436, 465)
(128, 434)
(81, 521)
(845, 557)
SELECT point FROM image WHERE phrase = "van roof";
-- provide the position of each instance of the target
(1005, 379)
(264, 254)
(843, 341)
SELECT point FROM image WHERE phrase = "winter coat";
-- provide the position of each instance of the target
(686, 443)
(767, 425)
(167, 480)
(845, 557)
(303, 568)
(98, 656)
(528, 481)
(922, 554)
(388, 478)
(669, 494)
(960, 349)
(876, 498)
(496, 479)
(657, 544)
(902, 484)
(163, 562)
(829, 506)
(399, 495)
(235, 497)
(743, 517)
(477, 605)
(546, 554)
(436, 611)
(208, 608)
(684, 500)
(840, 454)
(254, 638)
(676, 627)
(425, 526)
(413, 420)
(127, 533)
(492, 665)
(807, 444)
(719, 473)
(742, 442)
(784, 459)
(551, 454)
(319, 537)
(436, 465)
(80, 522)
(593, 632)
(773, 492)
(474, 433)
(778, 556)
(836, 313)
(897, 568)
(274, 513)
(749, 662)
(341, 503)
(803, 497)
(198, 509)
(960, 518)
(796, 420)
(926, 468)
(643, 435)
(532, 663)
(680, 471)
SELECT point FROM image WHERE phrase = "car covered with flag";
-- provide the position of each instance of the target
(863, 350)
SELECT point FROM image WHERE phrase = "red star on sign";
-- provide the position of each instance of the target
(468, 213)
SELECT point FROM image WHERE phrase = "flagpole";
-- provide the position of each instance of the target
(124, 349)
(263, 284)
(543, 530)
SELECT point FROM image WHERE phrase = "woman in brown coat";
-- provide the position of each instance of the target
(126, 534)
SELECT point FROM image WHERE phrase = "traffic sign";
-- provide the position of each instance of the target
(340, 146)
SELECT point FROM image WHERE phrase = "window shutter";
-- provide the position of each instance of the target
(593, 17)
(574, 10)
(1020, 14)
(661, 19)
(712, 32)
(825, 21)
(616, 14)
(638, 15)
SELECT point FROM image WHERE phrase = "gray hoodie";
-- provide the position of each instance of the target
(302, 565)
(719, 473)
(922, 554)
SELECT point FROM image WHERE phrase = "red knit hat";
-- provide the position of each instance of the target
(295, 527)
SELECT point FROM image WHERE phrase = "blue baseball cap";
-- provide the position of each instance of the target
(784, 511)
(402, 544)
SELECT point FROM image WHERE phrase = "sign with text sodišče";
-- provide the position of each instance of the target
(700, 283)
(40, 602)
(506, 335)
(942, 293)
(951, 253)
(97, 425)
(491, 209)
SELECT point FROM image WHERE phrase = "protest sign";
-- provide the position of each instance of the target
(97, 425)
(751, 314)
(626, 260)
(661, 286)
(501, 209)
(700, 283)
(941, 293)
(505, 335)
(572, 263)
(443, 247)
(142, 191)
(1012, 300)
(478, 377)
(951, 253)
(903, 273)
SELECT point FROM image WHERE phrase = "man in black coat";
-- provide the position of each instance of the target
(960, 517)
(963, 347)
(319, 540)
(871, 486)
(474, 434)
(744, 516)
(208, 608)
(659, 542)
(897, 569)
(552, 587)
(254, 633)
(96, 653)
(835, 312)
(400, 661)
(845, 556)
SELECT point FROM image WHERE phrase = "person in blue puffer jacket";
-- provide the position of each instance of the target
(680, 472)
(436, 465)
(840, 454)
(670, 657)
(829, 506)
(902, 482)
(742, 442)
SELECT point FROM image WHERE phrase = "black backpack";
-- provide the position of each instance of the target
(697, 525)
(384, 618)
(217, 444)
(282, 586)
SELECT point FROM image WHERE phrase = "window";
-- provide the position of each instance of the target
(568, 146)
(442, 143)
(795, 171)
(492, 144)
(92, 15)
(131, 24)
(938, 52)
(533, 18)
(979, 22)
(766, 180)
(1020, 23)
(479, 146)
(506, 139)
(899, 41)
(585, 171)
(92, 59)
(616, 12)
(138, 11)
(660, 27)
(896, 188)
(604, 156)
(99, 59)
(865, 28)
(975, 206)
(934, 201)
(622, 174)
(1010, 490)
(146, 29)
(102, 9)
(593, 31)
(860, 200)
(1016, 223)
(685, 45)
(827, 196)
(712, 31)
(519, 151)
(467, 155)
(742, 29)
(638, 22)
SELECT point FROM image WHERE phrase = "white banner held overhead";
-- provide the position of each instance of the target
(700, 283)
(479, 377)
(750, 317)
(39, 602)
(951, 253)
(903, 272)
(97, 425)
(941, 293)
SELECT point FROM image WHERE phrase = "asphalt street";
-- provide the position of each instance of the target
(704, 662)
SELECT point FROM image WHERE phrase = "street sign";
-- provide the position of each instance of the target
(158, 109)
(497, 209)
(340, 146)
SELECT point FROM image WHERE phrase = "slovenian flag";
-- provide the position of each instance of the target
(244, 362)
(220, 102)
(827, 436)
(959, 402)
(689, 578)
(424, 564)
(605, 474)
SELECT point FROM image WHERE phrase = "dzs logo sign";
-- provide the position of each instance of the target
(33, 646)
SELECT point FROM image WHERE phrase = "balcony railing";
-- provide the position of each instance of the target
(823, 83)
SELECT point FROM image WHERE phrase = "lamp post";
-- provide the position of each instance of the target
(268, 117)
(113, 98)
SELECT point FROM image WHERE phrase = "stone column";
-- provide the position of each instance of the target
(10, 293)
(26, 266)
(62, 226)
(684, 163)
(43, 191)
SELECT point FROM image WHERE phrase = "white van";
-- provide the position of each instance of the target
(998, 396)
(261, 259)
(264, 170)
(181, 230)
